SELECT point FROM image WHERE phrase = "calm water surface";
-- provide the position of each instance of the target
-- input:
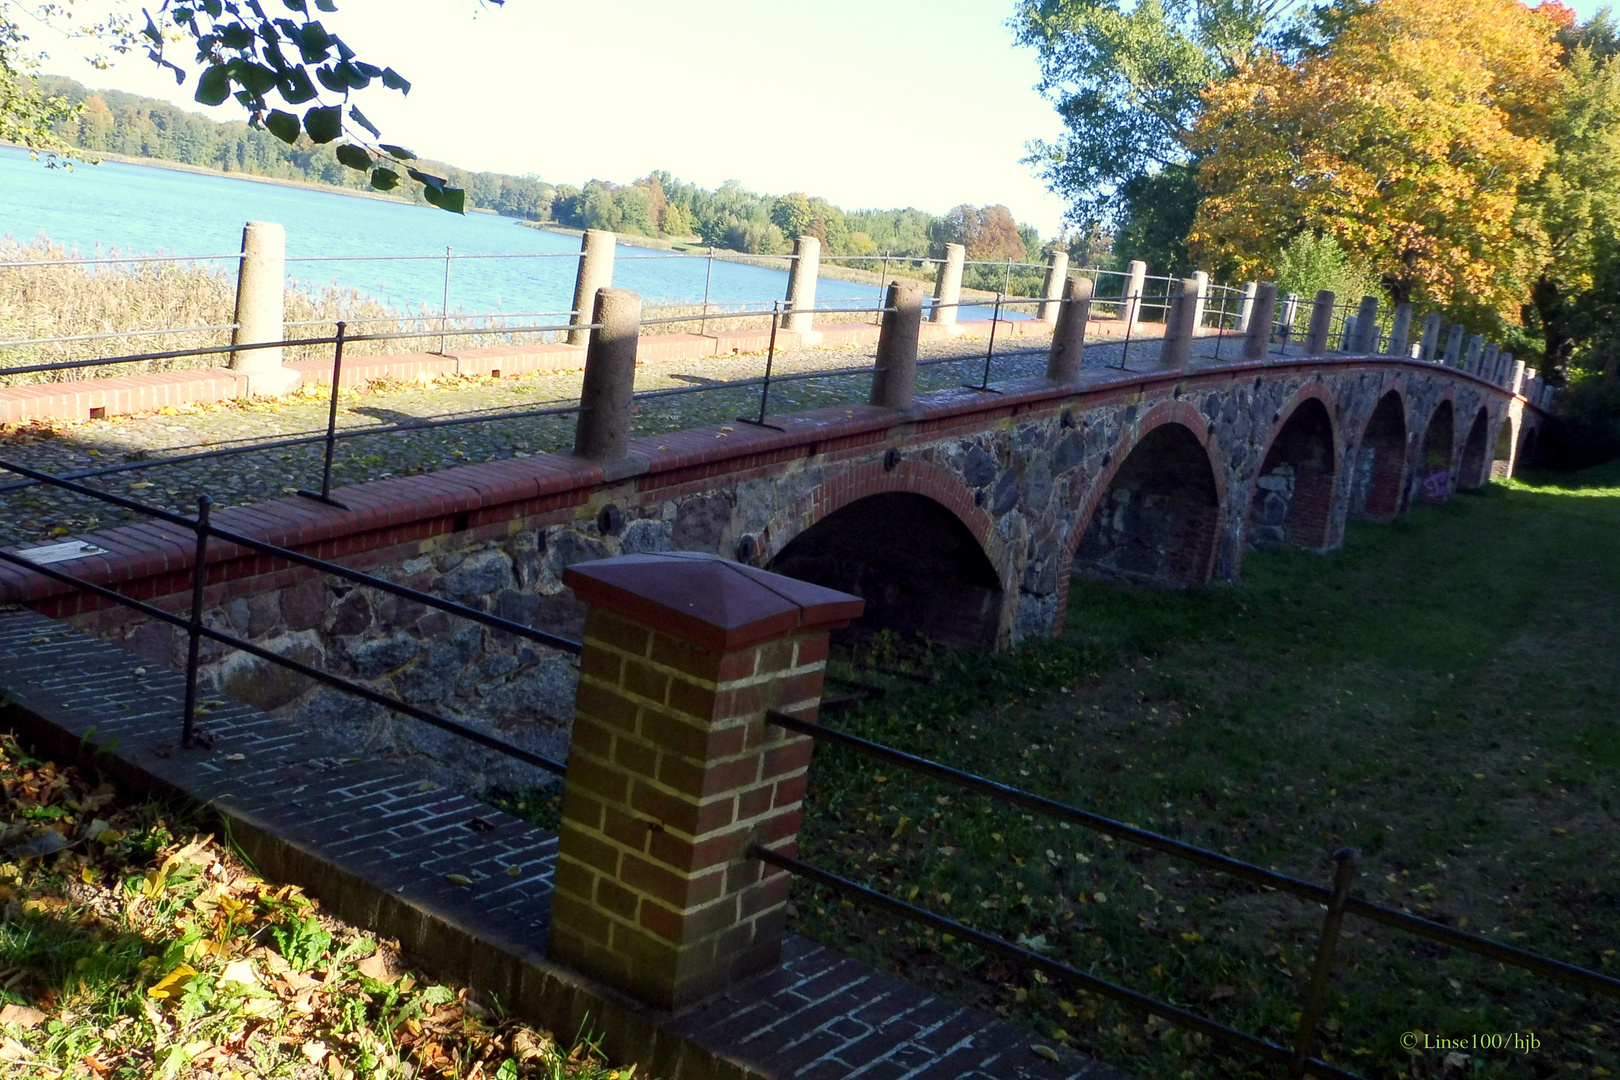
(142, 210)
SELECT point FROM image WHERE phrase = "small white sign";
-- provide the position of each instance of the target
(67, 549)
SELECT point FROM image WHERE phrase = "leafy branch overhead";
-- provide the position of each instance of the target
(266, 62)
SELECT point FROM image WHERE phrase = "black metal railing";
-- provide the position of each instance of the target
(1336, 898)
(196, 630)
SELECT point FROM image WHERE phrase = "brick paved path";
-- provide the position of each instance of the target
(377, 844)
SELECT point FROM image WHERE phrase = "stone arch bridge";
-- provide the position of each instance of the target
(961, 515)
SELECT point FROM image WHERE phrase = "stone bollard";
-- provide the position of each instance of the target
(948, 287)
(894, 380)
(1367, 341)
(1487, 362)
(1290, 315)
(1131, 300)
(1516, 381)
(1431, 338)
(1180, 327)
(261, 297)
(1316, 338)
(1246, 306)
(1504, 367)
(595, 274)
(602, 432)
(673, 772)
(1257, 337)
(1400, 332)
(1202, 300)
(1069, 335)
(1454, 345)
(1057, 273)
(1348, 337)
(801, 297)
(1476, 348)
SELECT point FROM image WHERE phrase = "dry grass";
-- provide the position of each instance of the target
(122, 299)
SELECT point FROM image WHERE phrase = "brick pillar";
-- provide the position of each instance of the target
(673, 772)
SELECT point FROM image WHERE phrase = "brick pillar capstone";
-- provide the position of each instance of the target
(674, 774)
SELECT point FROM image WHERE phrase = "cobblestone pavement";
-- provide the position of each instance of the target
(373, 446)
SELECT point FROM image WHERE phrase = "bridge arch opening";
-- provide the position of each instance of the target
(1292, 503)
(1439, 443)
(1527, 448)
(1502, 453)
(920, 570)
(1471, 473)
(1380, 465)
(1157, 522)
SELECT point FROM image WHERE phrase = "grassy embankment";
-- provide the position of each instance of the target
(133, 947)
(1441, 694)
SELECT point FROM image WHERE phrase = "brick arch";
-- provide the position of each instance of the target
(1504, 445)
(1431, 482)
(1178, 413)
(1378, 482)
(1309, 506)
(871, 478)
(909, 540)
(1473, 468)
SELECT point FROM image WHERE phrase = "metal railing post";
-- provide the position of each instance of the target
(444, 306)
(708, 283)
(1347, 861)
(990, 351)
(199, 581)
(325, 494)
(770, 360)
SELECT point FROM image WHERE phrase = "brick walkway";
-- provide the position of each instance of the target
(378, 844)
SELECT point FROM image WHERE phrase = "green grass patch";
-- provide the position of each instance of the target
(1439, 694)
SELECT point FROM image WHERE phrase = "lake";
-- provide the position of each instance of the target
(142, 210)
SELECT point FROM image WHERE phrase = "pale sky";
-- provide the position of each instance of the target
(869, 103)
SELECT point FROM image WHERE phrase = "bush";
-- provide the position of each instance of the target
(1311, 263)
(1585, 428)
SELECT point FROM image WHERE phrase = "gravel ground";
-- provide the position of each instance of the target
(159, 442)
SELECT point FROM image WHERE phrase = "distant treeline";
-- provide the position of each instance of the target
(657, 205)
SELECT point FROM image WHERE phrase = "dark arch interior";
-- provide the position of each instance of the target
(1156, 523)
(1434, 472)
(1527, 448)
(1381, 462)
(919, 569)
(1472, 472)
(1502, 454)
(1292, 504)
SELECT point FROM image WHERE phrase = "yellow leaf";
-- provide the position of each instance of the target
(239, 972)
(1046, 1052)
(169, 987)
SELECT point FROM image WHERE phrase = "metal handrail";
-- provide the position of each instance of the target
(1259, 875)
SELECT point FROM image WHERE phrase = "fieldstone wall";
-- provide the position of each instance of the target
(1024, 487)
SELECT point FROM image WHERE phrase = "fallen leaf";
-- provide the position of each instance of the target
(314, 1050)
(458, 879)
(1046, 1052)
(171, 984)
(22, 1016)
(239, 972)
(378, 966)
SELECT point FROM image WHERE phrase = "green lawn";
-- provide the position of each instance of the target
(1440, 694)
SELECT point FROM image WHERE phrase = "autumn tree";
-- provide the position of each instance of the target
(1577, 202)
(1410, 142)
